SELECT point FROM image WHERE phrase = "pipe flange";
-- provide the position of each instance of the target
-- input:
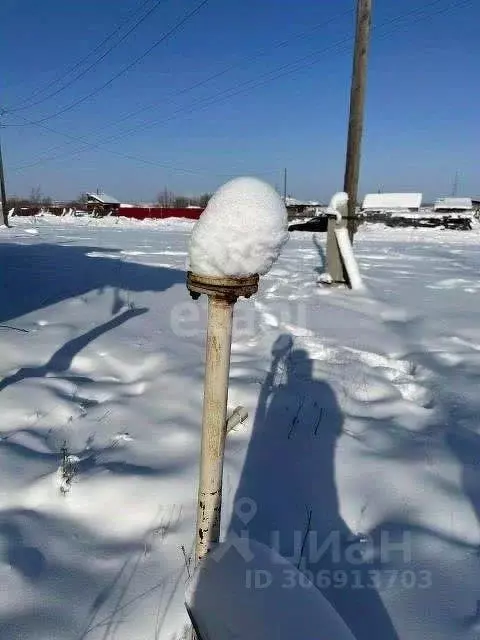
(227, 288)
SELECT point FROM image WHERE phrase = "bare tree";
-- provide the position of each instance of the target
(181, 202)
(166, 198)
(36, 195)
(204, 198)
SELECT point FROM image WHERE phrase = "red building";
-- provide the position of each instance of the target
(142, 213)
(101, 204)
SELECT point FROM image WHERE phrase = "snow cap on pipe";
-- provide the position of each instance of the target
(241, 232)
(339, 205)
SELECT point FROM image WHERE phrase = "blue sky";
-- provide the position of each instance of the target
(421, 124)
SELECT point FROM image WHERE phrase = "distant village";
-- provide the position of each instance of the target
(376, 203)
(375, 206)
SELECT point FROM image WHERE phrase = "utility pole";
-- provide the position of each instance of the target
(335, 265)
(357, 106)
(3, 192)
(285, 186)
(455, 185)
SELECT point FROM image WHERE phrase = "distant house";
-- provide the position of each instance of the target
(453, 205)
(101, 203)
(298, 208)
(391, 202)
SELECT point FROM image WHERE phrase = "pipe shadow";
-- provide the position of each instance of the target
(62, 359)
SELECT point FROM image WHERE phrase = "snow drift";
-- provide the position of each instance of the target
(373, 431)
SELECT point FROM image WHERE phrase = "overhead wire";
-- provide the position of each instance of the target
(128, 156)
(177, 27)
(239, 64)
(96, 62)
(79, 63)
(305, 62)
(284, 70)
(242, 63)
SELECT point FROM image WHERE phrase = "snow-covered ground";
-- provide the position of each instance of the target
(363, 429)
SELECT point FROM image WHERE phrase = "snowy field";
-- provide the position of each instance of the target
(364, 425)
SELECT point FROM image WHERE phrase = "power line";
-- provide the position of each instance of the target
(95, 62)
(85, 58)
(233, 91)
(172, 31)
(128, 156)
(241, 63)
(267, 78)
(235, 65)
(3, 192)
(305, 62)
(217, 75)
(294, 65)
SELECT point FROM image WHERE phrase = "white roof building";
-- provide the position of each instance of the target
(102, 198)
(392, 202)
(293, 202)
(453, 204)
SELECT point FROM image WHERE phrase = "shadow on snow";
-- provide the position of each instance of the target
(37, 276)
(289, 474)
(62, 359)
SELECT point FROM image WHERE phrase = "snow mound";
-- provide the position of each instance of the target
(241, 232)
(246, 590)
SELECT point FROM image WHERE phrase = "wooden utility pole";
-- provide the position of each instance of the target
(335, 266)
(3, 192)
(285, 186)
(357, 106)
